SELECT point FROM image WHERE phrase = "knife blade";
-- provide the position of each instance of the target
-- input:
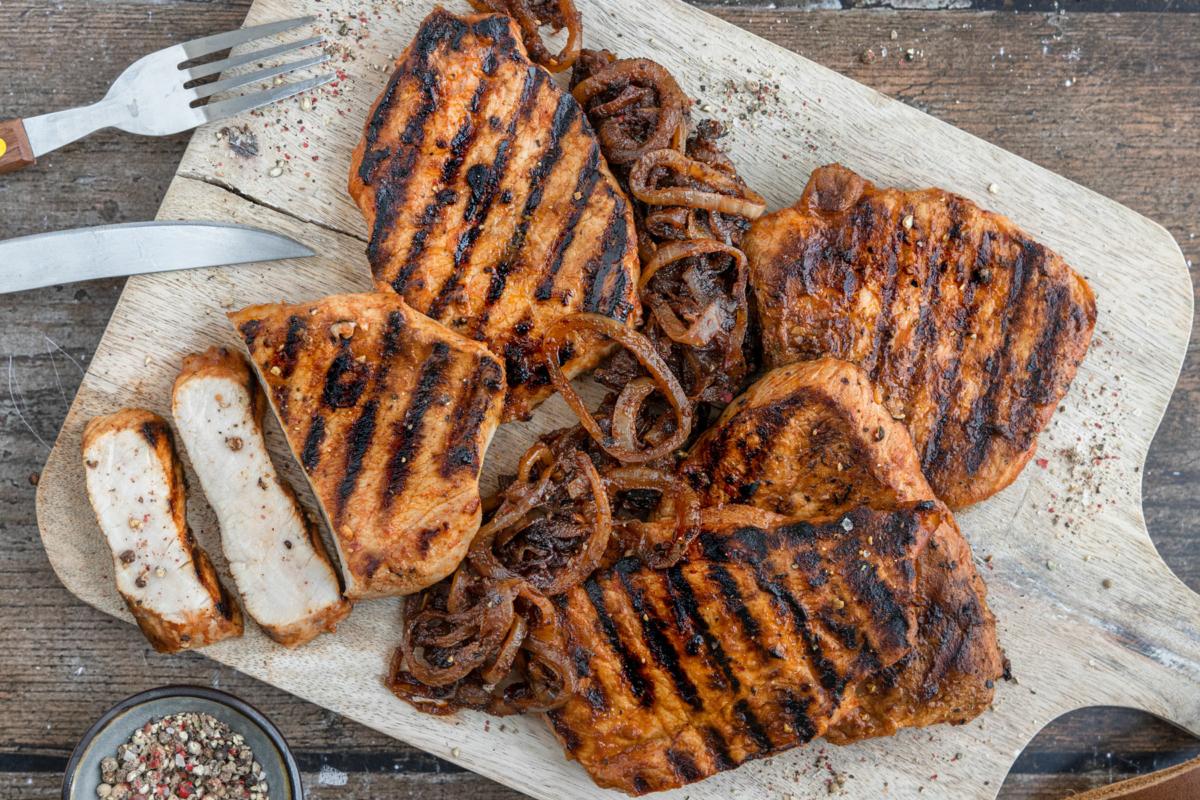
(135, 248)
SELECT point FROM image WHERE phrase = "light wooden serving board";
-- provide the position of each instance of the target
(1072, 641)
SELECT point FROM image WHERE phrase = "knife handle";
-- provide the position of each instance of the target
(15, 152)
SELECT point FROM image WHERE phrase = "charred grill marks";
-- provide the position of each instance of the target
(409, 433)
(831, 680)
(293, 341)
(392, 334)
(684, 765)
(345, 381)
(736, 605)
(686, 607)
(585, 183)
(797, 709)
(947, 382)
(359, 437)
(391, 192)
(655, 638)
(484, 192)
(719, 748)
(469, 413)
(459, 146)
(981, 422)
(565, 113)
(311, 455)
(755, 728)
(612, 252)
(630, 668)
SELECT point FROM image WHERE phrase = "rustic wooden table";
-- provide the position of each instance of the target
(1105, 92)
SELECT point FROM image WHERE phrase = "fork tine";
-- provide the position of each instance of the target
(236, 105)
(217, 67)
(208, 90)
(223, 41)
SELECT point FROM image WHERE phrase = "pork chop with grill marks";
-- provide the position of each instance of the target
(490, 206)
(971, 330)
(807, 440)
(811, 440)
(390, 414)
(750, 646)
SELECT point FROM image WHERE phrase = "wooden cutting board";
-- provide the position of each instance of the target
(1088, 612)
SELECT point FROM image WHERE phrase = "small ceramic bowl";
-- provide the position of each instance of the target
(117, 725)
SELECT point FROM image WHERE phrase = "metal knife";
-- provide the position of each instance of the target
(109, 251)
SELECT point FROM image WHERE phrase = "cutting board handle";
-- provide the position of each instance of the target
(15, 151)
(1156, 624)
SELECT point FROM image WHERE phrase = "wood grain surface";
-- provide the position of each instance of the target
(1132, 137)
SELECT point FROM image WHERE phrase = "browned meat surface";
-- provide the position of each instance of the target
(950, 674)
(971, 330)
(135, 484)
(390, 414)
(750, 646)
(815, 442)
(807, 440)
(489, 204)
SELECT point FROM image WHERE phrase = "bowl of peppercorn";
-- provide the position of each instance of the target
(182, 743)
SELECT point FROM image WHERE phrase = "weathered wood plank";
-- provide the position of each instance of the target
(1147, 166)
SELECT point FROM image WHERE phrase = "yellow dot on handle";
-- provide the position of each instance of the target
(3, 148)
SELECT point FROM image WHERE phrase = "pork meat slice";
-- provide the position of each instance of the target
(135, 483)
(275, 552)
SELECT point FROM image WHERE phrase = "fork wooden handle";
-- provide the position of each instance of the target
(15, 152)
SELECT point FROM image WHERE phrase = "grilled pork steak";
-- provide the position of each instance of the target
(135, 483)
(811, 440)
(750, 646)
(390, 414)
(949, 676)
(971, 330)
(275, 554)
(489, 204)
(807, 440)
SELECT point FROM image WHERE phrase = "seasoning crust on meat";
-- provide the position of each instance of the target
(807, 440)
(275, 553)
(390, 414)
(750, 646)
(135, 483)
(814, 440)
(971, 330)
(489, 205)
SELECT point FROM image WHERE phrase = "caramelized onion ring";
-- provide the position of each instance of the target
(625, 412)
(588, 558)
(676, 251)
(621, 148)
(728, 196)
(565, 16)
(483, 626)
(481, 555)
(678, 500)
(556, 337)
(497, 667)
(698, 334)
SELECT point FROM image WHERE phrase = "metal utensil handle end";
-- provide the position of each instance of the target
(15, 150)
